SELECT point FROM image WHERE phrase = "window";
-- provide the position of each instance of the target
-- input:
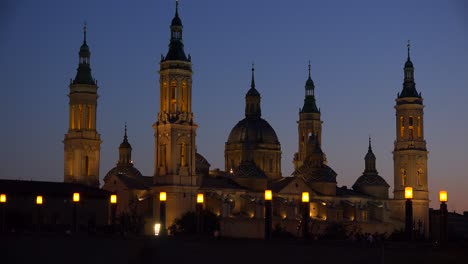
(72, 117)
(270, 164)
(173, 96)
(410, 127)
(88, 113)
(402, 126)
(419, 127)
(80, 116)
(184, 97)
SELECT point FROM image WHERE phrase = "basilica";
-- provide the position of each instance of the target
(252, 159)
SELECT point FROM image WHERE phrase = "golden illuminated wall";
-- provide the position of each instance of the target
(410, 158)
(82, 141)
(309, 123)
(175, 130)
(266, 156)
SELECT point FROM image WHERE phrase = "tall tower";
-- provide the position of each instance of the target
(175, 130)
(309, 122)
(410, 153)
(82, 142)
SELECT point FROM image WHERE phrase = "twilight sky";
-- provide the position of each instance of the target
(357, 50)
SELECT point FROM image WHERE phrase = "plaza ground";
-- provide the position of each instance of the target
(76, 248)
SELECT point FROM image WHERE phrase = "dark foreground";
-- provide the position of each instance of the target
(113, 250)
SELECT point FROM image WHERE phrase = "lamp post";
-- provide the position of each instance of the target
(76, 200)
(443, 198)
(3, 199)
(113, 202)
(268, 214)
(409, 212)
(305, 214)
(162, 212)
(199, 213)
(39, 202)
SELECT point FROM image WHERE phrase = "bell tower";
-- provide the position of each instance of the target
(410, 153)
(309, 122)
(175, 130)
(82, 142)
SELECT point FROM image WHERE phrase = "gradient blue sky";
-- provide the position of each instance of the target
(357, 50)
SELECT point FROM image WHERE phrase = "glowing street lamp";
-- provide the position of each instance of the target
(268, 213)
(409, 212)
(113, 202)
(408, 192)
(162, 212)
(76, 200)
(199, 212)
(305, 214)
(3, 200)
(443, 198)
(200, 198)
(39, 202)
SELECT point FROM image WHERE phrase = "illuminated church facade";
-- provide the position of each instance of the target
(252, 160)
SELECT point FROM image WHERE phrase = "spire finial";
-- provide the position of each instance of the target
(252, 84)
(370, 144)
(125, 134)
(177, 7)
(309, 68)
(408, 46)
(84, 32)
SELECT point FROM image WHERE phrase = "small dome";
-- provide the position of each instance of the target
(370, 155)
(409, 64)
(84, 47)
(176, 21)
(253, 131)
(311, 173)
(200, 161)
(248, 169)
(252, 92)
(370, 180)
(125, 144)
(202, 166)
(129, 171)
(310, 83)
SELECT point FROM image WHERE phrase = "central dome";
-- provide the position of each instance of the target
(253, 140)
(253, 131)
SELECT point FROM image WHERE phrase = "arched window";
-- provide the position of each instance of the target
(402, 126)
(411, 127)
(419, 127)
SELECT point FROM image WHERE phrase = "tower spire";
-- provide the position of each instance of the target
(125, 134)
(409, 86)
(370, 145)
(84, 32)
(309, 101)
(252, 83)
(177, 8)
(408, 46)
